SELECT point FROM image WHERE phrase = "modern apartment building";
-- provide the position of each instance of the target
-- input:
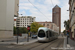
(56, 16)
(7, 9)
(24, 21)
(50, 25)
(72, 18)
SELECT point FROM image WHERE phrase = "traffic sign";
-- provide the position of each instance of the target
(67, 34)
(28, 28)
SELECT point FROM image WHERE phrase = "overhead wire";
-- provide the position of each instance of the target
(39, 10)
(52, 2)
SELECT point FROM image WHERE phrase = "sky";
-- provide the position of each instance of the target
(45, 9)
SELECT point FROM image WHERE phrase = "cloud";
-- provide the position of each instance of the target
(23, 13)
(52, 2)
(64, 13)
(25, 1)
(45, 6)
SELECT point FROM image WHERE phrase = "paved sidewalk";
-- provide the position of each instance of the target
(20, 43)
(3, 41)
(13, 38)
(65, 43)
(70, 45)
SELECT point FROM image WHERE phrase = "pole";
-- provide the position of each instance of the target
(67, 39)
(17, 29)
(17, 37)
(28, 28)
(28, 37)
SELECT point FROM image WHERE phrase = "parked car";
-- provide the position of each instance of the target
(34, 36)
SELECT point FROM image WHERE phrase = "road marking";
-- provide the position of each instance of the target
(64, 46)
(68, 45)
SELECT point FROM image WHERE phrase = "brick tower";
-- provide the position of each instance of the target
(56, 16)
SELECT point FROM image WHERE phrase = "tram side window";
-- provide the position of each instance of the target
(53, 33)
(50, 34)
(47, 34)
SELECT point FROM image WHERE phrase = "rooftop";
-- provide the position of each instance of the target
(44, 22)
(26, 17)
(56, 6)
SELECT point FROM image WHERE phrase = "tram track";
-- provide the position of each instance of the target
(34, 47)
(49, 45)
(43, 44)
(59, 44)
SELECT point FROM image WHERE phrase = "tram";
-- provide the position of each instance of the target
(46, 34)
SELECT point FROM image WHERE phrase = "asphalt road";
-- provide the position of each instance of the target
(52, 45)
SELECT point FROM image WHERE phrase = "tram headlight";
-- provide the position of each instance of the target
(38, 37)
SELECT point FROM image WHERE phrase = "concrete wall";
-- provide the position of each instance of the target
(72, 17)
(6, 18)
(16, 7)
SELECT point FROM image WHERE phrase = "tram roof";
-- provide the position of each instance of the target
(45, 29)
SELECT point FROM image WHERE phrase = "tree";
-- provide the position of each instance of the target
(23, 30)
(20, 30)
(67, 26)
(64, 32)
(14, 31)
(35, 26)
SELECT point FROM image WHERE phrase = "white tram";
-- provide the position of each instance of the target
(45, 34)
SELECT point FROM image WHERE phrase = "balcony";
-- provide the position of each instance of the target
(17, 23)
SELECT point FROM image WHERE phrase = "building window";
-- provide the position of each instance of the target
(23, 25)
(32, 18)
(44, 24)
(47, 24)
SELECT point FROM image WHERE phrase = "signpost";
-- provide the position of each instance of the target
(17, 33)
(28, 28)
(67, 36)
